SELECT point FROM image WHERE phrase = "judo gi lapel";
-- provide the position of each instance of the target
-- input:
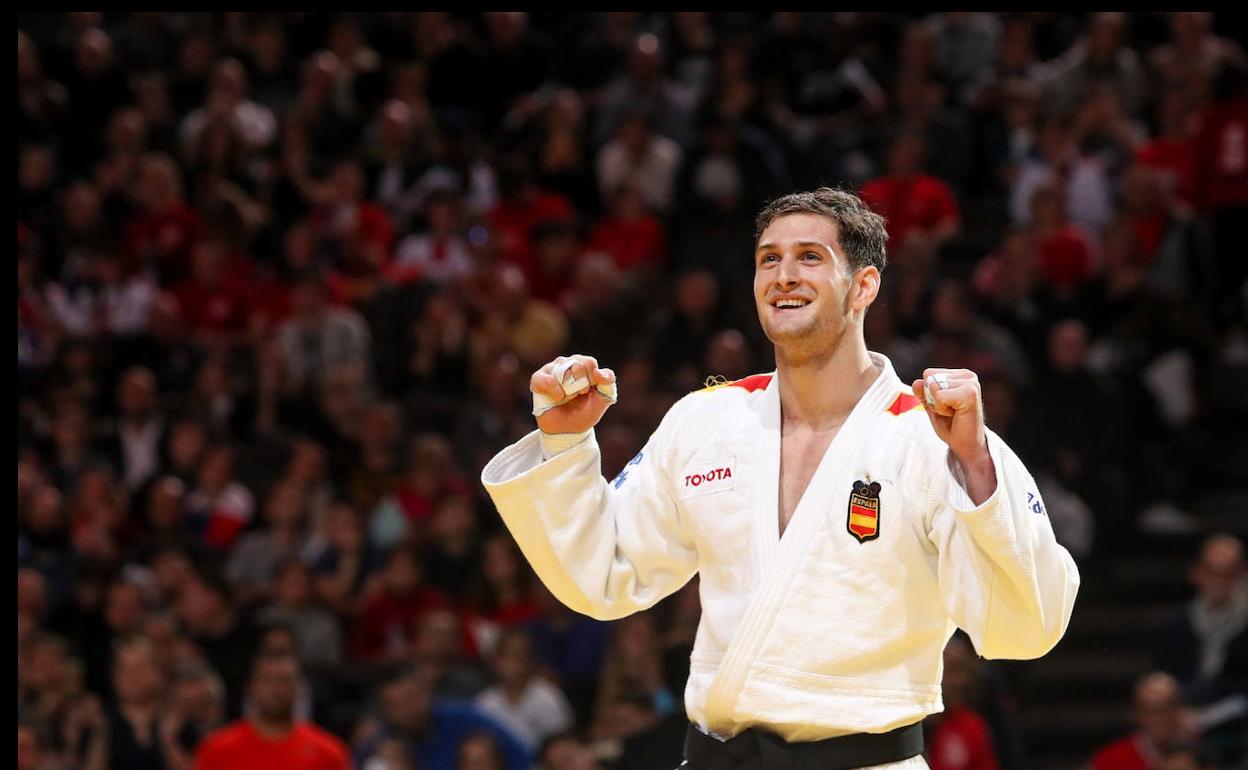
(780, 557)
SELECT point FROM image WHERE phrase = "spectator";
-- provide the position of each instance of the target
(521, 206)
(633, 667)
(1194, 53)
(439, 255)
(1206, 647)
(1082, 182)
(1170, 240)
(388, 620)
(254, 560)
(531, 707)
(921, 211)
(318, 337)
(1172, 152)
(960, 738)
(633, 237)
(225, 636)
(162, 233)
(964, 43)
(219, 507)
(431, 731)
(137, 738)
(500, 594)
(1064, 253)
(453, 546)
(1100, 55)
(442, 646)
(1157, 710)
(316, 631)
(272, 737)
(533, 328)
(197, 705)
(639, 158)
(343, 560)
(253, 123)
(140, 429)
(645, 85)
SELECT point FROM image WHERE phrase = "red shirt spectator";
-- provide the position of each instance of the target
(270, 737)
(389, 621)
(1063, 250)
(630, 234)
(1222, 155)
(1065, 256)
(961, 741)
(1157, 710)
(915, 204)
(513, 220)
(241, 747)
(166, 229)
(911, 201)
(217, 297)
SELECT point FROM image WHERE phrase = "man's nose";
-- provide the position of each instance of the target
(787, 273)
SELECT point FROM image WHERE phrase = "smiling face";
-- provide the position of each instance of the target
(804, 292)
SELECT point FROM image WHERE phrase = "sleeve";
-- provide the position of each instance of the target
(605, 550)
(1003, 576)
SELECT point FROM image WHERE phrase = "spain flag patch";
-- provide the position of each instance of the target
(863, 518)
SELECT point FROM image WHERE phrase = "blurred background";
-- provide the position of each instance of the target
(282, 279)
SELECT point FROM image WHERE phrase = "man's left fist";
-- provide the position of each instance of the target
(956, 409)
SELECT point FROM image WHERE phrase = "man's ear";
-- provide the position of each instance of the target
(865, 288)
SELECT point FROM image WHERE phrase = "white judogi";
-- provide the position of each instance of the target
(817, 633)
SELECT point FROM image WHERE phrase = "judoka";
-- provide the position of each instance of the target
(843, 523)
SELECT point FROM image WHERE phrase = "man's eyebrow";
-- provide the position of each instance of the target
(803, 244)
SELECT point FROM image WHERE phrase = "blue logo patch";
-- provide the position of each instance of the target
(1033, 502)
(618, 481)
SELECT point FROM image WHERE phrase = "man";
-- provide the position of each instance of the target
(431, 730)
(531, 706)
(271, 737)
(1157, 710)
(1206, 646)
(825, 611)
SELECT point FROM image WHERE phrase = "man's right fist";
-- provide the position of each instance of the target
(583, 411)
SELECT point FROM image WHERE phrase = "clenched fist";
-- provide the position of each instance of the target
(584, 410)
(956, 411)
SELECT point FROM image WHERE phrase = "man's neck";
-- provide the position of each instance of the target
(273, 729)
(821, 391)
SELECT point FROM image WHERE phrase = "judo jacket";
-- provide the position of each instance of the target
(838, 626)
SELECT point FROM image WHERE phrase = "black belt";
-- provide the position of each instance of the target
(758, 750)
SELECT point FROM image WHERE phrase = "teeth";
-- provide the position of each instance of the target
(791, 303)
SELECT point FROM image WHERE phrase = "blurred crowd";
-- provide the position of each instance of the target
(282, 279)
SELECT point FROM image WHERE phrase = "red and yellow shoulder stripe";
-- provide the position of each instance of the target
(752, 383)
(904, 402)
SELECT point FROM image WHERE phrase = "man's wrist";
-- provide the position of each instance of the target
(977, 463)
(556, 443)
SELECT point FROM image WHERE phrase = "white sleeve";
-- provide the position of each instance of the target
(605, 549)
(1003, 576)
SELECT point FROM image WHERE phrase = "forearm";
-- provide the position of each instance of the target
(980, 474)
